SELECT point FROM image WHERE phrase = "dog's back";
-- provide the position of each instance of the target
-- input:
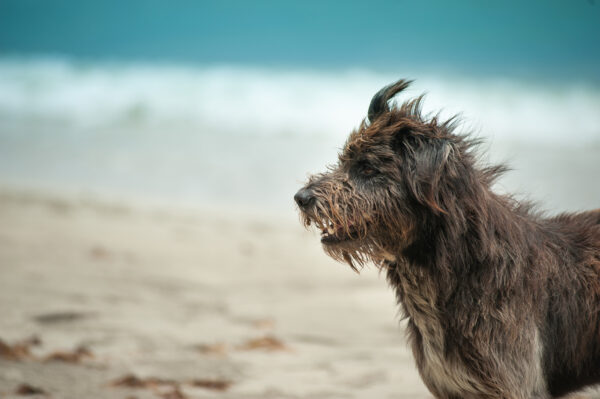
(572, 331)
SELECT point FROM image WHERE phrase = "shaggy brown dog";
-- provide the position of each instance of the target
(501, 302)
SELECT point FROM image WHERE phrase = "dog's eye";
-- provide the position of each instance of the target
(367, 171)
(363, 171)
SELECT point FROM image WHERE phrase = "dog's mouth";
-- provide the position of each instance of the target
(332, 233)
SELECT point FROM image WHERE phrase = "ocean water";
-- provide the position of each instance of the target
(556, 39)
(247, 136)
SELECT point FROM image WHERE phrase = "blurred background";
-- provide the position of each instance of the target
(214, 113)
(197, 102)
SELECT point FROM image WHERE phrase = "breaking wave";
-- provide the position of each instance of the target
(270, 102)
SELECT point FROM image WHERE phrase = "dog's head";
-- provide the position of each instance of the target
(388, 175)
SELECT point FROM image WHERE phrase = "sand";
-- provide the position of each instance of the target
(105, 300)
(101, 299)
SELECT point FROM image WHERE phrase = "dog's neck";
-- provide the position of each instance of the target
(472, 235)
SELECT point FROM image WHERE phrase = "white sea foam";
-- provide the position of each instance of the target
(268, 102)
(250, 135)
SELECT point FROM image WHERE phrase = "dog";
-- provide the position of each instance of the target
(500, 301)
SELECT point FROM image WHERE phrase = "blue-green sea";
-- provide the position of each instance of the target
(234, 102)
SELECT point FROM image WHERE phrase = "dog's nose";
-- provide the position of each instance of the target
(304, 198)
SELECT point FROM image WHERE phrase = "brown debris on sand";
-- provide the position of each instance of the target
(75, 356)
(26, 390)
(219, 349)
(175, 393)
(158, 384)
(267, 343)
(19, 350)
(215, 385)
(133, 381)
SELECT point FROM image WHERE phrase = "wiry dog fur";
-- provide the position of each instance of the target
(501, 302)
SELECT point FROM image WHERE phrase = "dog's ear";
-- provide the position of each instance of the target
(431, 156)
(379, 103)
(426, 166)
(403, 140)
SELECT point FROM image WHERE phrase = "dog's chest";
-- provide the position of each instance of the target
(442, 373)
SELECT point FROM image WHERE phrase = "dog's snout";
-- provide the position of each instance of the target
(304, 198)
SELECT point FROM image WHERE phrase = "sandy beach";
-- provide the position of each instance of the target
(112, 300)
(105, 300)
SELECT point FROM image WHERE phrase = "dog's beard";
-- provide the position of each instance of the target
(355, 253)
(346, 238)
(356, 238)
